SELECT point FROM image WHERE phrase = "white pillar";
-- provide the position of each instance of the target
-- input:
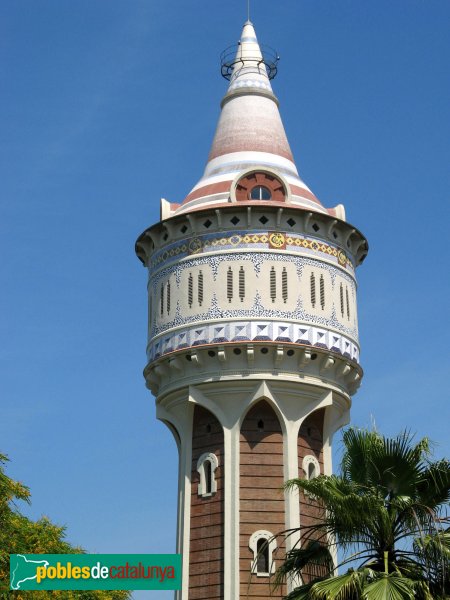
(231, 512)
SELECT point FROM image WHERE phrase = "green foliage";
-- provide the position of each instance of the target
(388, 511)
(20, 535)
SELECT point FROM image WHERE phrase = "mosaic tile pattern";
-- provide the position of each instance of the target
(236, 240)
(253, 331)
(258, 310)
(256, 258)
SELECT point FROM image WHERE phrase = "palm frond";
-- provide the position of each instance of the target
(386, 511)
(389, 587)
(341, 587)
(313, 554)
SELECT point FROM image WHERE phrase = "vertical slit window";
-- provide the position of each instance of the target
(206, 467)
(322, 292)
(190, 290)
(168, 297)
(348, 302)
(208, 477)
(161, 297)
(313, 290)
(284, 284)
(341, 293)
(242, 284)
(262, 560)
(229, 284)
(273, 284)
(200, 288)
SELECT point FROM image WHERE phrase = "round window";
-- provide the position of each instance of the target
(260, 192)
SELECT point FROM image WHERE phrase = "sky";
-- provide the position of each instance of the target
(108, 105)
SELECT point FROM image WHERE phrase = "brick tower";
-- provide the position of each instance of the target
(252, 343)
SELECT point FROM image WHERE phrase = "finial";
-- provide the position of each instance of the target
(248, 11)
(249, 57)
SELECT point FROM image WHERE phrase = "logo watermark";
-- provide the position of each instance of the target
(95, 571)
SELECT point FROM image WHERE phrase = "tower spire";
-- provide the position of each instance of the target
(250, 133)
(248, 69)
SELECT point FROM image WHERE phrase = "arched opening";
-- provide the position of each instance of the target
(207, 465)
(262, 558)
(262, 544)
(260, 186)
(312, 471)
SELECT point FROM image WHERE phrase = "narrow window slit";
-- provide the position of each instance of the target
(313, 290)
(208, 477)
(273, 284)
(190, 290)
(322, 292)
(229, 284)
(168, 298)
(284, 284)
(262, 560)
(200, 288)
(242, 284)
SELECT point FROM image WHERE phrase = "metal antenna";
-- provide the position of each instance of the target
(248, 10)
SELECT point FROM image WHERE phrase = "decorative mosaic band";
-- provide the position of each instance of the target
(237, 240)
(253, 331)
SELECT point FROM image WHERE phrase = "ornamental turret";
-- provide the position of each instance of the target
(253, 350)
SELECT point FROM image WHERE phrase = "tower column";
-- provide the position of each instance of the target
(291, 471)
(178, 416)
(231, 537)
(185, 512)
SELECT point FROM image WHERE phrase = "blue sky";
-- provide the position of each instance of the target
(107, 106)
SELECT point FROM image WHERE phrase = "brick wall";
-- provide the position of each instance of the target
(207, 517)
(261, 498)
(310, 441)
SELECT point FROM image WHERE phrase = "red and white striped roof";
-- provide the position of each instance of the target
(249, 135)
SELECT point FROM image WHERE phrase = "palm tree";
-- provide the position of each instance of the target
(386, 513)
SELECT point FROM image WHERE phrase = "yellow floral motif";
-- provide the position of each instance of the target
(277, 240)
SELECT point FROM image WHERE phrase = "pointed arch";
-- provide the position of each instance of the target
(273, 405)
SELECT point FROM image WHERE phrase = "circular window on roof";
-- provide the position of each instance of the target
(260, 186)
(260, 192)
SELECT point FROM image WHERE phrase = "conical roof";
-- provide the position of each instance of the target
(249, 135)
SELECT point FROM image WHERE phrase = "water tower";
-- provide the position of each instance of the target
(253, 351)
